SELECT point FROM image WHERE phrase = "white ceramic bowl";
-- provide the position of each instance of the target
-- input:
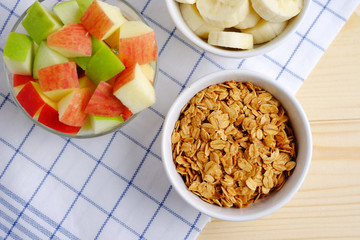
(299, 124)
(175, 14)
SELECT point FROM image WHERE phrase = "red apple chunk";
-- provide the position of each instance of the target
(59, 76)
(102, 19)
(73, 40)
(72, 106)
(22, 79)
(137, 43)
(104, 103)
(50, 118)
(31, 98)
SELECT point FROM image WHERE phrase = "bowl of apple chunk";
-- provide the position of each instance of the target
(81, 68)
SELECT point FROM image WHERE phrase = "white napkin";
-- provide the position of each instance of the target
(114, 187)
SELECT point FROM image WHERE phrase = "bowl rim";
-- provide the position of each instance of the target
(175, 15)
(82, 136)
(189, 197)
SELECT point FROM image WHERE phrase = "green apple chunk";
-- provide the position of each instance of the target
(82, 62)
(84, 4)
(46, 57)
(103, 65)
(96, 45)
(68, 12)
(101, 123)
(19, 53)
(40, 22)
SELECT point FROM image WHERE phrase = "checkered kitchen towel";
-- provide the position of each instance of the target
(114, 187)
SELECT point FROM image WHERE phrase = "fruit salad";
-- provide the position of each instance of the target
(81, 68)
(238, 24)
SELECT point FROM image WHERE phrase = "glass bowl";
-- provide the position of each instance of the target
(130, 13)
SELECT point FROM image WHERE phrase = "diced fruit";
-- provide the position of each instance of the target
(45, 57)
(250, 20)
(50, 118)
(149, 72)
(68, 12)
(71, 41)
(101, 123)
(265, 31)
(96, 45)
(72, 106)
(264, 19)
(229, 39)
(21, 79)
(194, 20)
(102, 19)
(137, 43)
(58, 80)
(85, 82)
(103, 65)
(31, 98)
(104, 103)
(84, 4)
(46, 99)
(18, 88)
(277, 11)
(40, 22)
(69, 75)
(224, 14)
(19, 53)
(134, 90)
(86, 129)
(113, 40)
(82, 62)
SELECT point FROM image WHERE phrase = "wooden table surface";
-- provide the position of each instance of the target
(328, 203)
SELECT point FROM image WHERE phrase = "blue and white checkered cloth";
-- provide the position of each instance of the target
(114, 187)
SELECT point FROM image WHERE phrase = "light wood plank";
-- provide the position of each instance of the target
(327, 205)
(332, 91)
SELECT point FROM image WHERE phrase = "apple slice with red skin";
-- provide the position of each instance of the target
(72, 106)
(134, 90)
(50, 118)
(57, 80)
(19, 82)
(31, 98)
(22, 79)
(137, 43)
(72, 40)
(102, 19)
(104, 103)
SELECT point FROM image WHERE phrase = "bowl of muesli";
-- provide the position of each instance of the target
(236, 145)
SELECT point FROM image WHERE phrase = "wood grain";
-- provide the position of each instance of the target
(328, 204)
(331, 92)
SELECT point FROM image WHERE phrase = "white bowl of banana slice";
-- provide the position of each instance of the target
(237, 28)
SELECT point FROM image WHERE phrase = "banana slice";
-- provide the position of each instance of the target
(277, 10)
(223, 13)
(194, 20)
(231, 39)
(186, 1)
(250, 20)
(265, 31)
